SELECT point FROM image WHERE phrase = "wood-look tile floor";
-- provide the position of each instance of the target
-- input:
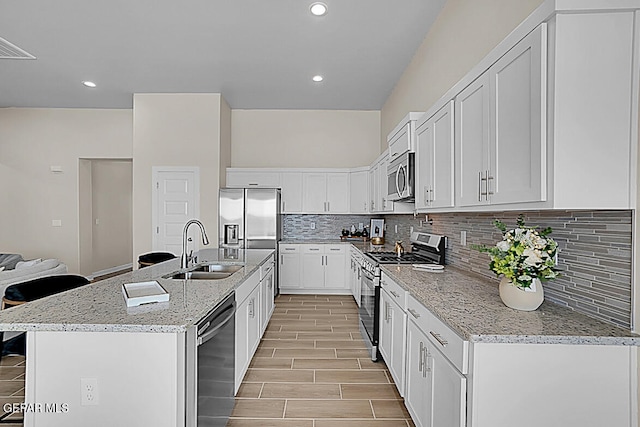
(11, 387)
(312, 369)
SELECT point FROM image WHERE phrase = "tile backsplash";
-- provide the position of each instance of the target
(594, 256)
(326, 226)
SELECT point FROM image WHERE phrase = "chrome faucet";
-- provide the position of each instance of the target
(184, 260)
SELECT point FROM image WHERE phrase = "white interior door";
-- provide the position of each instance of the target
(177, 194)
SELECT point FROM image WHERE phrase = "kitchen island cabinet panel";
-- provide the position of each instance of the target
(532, 385)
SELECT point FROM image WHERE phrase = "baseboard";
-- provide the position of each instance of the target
(110, 271)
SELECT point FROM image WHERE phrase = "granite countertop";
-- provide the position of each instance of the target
(470, 304)
(100, 306)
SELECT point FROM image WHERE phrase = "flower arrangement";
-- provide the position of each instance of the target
(523, 254)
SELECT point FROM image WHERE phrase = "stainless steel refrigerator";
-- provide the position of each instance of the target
(250, 218)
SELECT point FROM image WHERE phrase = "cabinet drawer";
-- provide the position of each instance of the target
(247, 287)
(289, 248)
(450, 344)
(335, 249)
(395, 291)
(312, 249)
(266, 267)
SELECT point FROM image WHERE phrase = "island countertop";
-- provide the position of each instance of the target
(100, 306)
(470, 305)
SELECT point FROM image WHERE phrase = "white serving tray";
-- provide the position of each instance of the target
(143, 293)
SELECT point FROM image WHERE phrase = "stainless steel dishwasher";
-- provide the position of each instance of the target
(211, 366)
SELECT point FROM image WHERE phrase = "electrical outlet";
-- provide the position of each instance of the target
(360, 226)
(396, 228)
(313, 225)
(89, 391)
(463, 238)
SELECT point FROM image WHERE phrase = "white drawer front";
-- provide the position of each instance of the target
(335, 249)
(266, 267)
(287, 248)
(450, 344)
(395, 291)
(312, 249)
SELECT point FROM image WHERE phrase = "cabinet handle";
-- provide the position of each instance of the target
(253, 184)
(395, 294)
(438, 338)
(479, 186)
(314, 249)
(420, 358)
(251, 310)
(431, 198)
(386, 311)
(326, 260)
(489, 179)
(426, 368)
(284, 206)
(281, 259)
(328, 206)
(413, 312)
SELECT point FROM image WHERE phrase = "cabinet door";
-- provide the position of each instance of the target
(253, 329)
(337, 192)
(289, 265)
(441, 150)
(335, 267)
(359, 192)
(244, 178)
(314, 187)
(518, 137)
(392, 338)
(424, 164)
(241, 340)
(291, 194)
(471, 143)
(449, 391)
(312, 268)
(373, 188)
(266, 300)
(418, 395)
(400, 143)
(386, 205)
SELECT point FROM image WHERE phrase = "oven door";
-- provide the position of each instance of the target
(400, 174)
(369, 303)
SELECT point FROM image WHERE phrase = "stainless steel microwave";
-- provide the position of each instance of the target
(400, 176)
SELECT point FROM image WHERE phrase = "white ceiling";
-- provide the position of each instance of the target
(257, 53)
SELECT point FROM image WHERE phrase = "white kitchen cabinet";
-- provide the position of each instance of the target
(248, 330)
(355, 273)
(378, 185)
(500, 141)
(291, 192)
(314, 268)
(267, 303)
(393, 323)
(434, 160)
(435, 361)
(402, 138)
(245, 178)
(373, 188)
(325, 192)
(290, 269)
(359, 191)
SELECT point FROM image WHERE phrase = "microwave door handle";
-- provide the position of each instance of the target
(397, 180)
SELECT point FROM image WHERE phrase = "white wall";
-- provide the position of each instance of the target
(31, 141)
(464, 32)
(112, 184)
(175, 130)
(304, 138)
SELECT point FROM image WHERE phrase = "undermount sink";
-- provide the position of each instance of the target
(206, 272)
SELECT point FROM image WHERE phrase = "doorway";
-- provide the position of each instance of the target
(105, 215)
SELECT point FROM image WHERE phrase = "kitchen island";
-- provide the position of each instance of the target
(137, 356)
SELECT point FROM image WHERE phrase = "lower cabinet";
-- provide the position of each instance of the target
(393, 322)
(254, 306)
(314, 268)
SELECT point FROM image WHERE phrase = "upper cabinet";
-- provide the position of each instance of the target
(325, 192)
(242, 178)
(403, 137)
(291, 195)
(434, 160)
(499, 138)
(359, 191)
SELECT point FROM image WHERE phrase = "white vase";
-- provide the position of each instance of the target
(515, 297)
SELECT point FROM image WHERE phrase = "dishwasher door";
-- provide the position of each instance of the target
(215, 368)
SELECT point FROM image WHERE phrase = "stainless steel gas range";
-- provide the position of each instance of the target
(425, 249)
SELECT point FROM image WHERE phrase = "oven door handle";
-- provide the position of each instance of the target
(214, 331)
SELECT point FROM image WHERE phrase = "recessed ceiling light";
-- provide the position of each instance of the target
(318, 9)
(318, 78)
(89, 84)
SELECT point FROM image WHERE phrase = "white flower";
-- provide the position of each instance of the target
(503, 246)
(533, 258)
